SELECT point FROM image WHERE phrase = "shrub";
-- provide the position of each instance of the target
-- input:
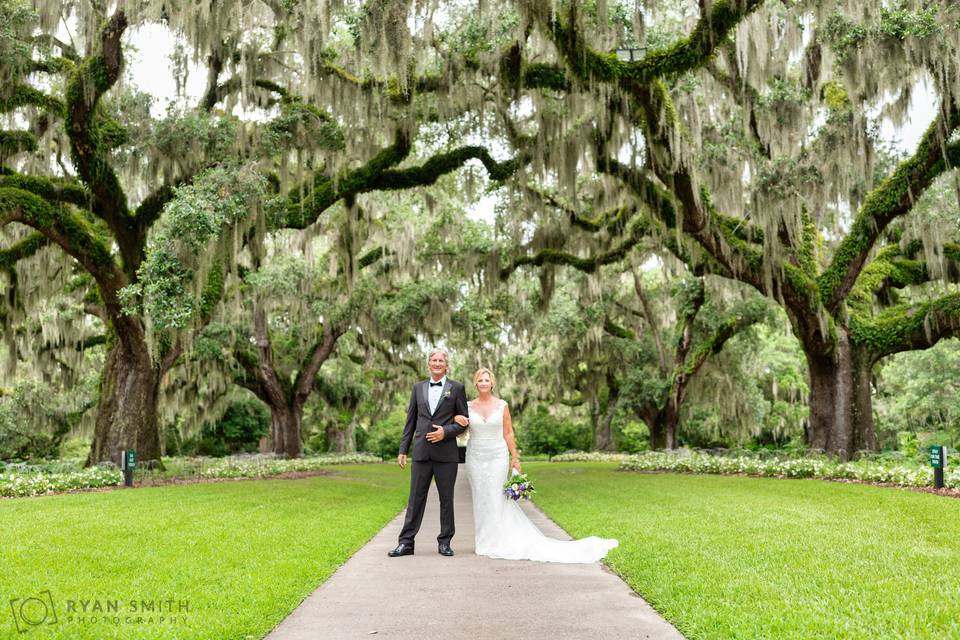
(538, 432)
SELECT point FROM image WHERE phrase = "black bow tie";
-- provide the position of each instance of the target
(436, 384)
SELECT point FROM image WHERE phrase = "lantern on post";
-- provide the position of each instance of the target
(631, 54)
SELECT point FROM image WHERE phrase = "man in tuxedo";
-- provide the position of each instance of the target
(430, 426)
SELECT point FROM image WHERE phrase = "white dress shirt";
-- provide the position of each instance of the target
(434, 393)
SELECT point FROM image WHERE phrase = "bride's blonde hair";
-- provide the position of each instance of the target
(484, 370)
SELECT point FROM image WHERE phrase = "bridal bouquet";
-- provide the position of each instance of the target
(518, 486)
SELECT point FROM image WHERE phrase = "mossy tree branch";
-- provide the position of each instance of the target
(23, 249)
(682, 56)
(397, 92)
(589, 264)
(896, 267)
(23, 95)
(308, 201)
(50, 189)
(661, 205)
(612, 220)
(87, 84)
(74, 235)
(908, 327)
(892, 198)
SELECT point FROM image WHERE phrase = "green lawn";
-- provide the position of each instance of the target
(735, 557)
(720, 556)
(241, 555)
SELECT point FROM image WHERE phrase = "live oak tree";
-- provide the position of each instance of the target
(89, 170)
(767, 214)
(363, 275)
(656, 387)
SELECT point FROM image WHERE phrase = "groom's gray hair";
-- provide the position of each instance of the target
(433, 352)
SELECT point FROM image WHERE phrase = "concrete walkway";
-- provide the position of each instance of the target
(468, 597)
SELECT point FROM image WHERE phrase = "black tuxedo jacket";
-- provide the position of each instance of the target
(453, 401)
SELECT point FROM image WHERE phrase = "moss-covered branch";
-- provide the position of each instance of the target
(661, 205)
(50, 189)
(893, 197)
(14, 142)
(908, 327)
(87, 130)
(307, 202)
(152, 206)
(397, 92)
(217, 92)
(715, 342)
(25, 248)
(589, 264)
(684, 55)
(613, 220)
(75, 236)
(23, 95)
(616, 330)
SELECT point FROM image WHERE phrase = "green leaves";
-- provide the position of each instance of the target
(303, 126)
(844, 35)
(180, 249)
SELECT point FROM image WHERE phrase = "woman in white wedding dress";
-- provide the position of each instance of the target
(502, 528)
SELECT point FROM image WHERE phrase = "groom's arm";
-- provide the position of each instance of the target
(453, 430)
(410, 424)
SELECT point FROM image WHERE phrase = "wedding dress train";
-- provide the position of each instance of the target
(502, 528)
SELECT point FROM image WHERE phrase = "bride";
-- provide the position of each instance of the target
(502, 528)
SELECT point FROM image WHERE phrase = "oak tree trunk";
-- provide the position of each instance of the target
(841, 411)
(662, 424)
(286, 422)
(127, 409)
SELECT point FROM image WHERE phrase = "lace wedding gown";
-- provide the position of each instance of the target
(502, 528)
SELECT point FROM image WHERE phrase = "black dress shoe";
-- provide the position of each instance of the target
(444, 550)
(403, 549)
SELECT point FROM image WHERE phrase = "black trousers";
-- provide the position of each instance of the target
(421, 473)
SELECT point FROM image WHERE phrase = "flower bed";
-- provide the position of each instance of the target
(259, 467)
(17, 484)
(589, 456)
(21, 480)
(890, 472)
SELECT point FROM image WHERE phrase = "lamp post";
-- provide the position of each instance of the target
(631, 54)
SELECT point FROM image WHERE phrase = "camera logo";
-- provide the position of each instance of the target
(33, 611)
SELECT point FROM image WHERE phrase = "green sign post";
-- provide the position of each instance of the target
(128, 462)
(938, 460)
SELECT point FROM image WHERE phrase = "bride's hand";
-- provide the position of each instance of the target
(463, 421)
(515, 463)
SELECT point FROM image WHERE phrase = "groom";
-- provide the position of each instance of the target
(430, 425)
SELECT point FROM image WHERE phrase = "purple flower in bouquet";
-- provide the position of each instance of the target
(518, 486)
